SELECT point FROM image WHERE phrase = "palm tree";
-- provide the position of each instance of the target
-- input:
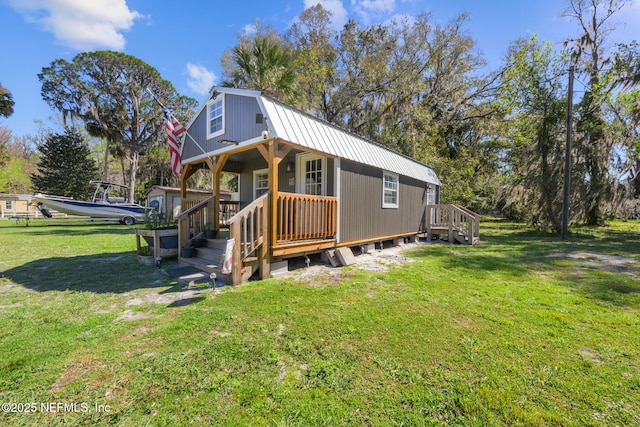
(263, 64)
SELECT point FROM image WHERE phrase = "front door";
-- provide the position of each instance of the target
(310, 179)
(311, 174)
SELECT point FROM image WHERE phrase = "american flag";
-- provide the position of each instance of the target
(174, 130)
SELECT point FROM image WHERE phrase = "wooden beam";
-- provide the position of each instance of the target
(186, 173)
(301, 248)
(282, 142)
(282, 152)
(264, 151)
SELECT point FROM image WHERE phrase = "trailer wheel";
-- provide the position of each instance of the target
(128, 220)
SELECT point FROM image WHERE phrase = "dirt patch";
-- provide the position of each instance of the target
(168, 297)
(610, 263)
(130, 316)
(74, 373)
(590, 356)
(378, 260)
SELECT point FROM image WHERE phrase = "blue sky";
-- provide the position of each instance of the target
(184, 40)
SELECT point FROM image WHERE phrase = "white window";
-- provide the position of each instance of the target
(389, 190)
(8, 205)
(260, 182)
(215, 117)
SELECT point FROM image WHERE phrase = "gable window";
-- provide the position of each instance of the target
(260, 182)
(215, 117)
(389, 190)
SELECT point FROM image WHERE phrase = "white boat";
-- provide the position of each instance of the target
(101, 206)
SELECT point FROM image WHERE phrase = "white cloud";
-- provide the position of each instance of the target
(338, 12)
(81, 24)
(370, 10)
(200, 79)
(249, 30)
(383, 6)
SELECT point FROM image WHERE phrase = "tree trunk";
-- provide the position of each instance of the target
(105, 170)
(135, 157)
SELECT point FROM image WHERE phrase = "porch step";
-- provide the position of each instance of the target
(219, 244)
(201, 263)
(213, 254)
(195, 278)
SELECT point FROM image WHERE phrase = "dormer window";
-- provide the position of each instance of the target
(215, 116)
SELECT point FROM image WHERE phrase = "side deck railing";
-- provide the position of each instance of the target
(453, 219)
(303, 216)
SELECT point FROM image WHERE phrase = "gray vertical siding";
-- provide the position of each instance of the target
(361, 214)
(240, 125)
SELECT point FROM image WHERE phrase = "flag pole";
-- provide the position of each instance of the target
(153, 95)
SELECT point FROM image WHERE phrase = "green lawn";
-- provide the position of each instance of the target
(524, 329)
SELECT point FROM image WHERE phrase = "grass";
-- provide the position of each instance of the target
(524, 329)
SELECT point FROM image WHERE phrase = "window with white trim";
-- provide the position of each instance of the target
(215, 117)
(390, 184)
(260, 182)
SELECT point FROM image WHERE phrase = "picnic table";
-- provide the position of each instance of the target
(19, 218)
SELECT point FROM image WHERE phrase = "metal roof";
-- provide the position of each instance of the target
(295, 126)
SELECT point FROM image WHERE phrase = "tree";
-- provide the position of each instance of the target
(262, 63)
(19, 162)
(65, 166)
(6, 102)
(314, 60)
(534, 97)
(594, 141)
(108, 92)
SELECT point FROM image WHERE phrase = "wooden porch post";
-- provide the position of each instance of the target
(183, 224)
(216, 167)
(273, 187)
(265, 250)
(428, 219)
(276, 154)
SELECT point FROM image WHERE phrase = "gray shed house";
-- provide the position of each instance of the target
(305, 186)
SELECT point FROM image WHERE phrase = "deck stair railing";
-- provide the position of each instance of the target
(248, 228)
(457, 223)
(197, 214)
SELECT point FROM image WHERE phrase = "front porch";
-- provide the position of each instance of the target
(243, 242)
(274, 217)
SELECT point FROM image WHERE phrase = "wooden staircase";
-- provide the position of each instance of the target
(452, 223)
(210, 258)
(246, 232)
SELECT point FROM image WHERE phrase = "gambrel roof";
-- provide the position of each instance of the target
(292, 125)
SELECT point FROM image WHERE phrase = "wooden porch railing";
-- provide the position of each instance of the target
(228, 209)
(303, 216)
(458, 222)
(249, 228)
(196, 215)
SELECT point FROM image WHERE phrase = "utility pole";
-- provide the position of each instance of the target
(567, 158)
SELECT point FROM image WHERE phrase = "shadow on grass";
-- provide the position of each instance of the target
(81, 229)
(186, 301)
(101, 273)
